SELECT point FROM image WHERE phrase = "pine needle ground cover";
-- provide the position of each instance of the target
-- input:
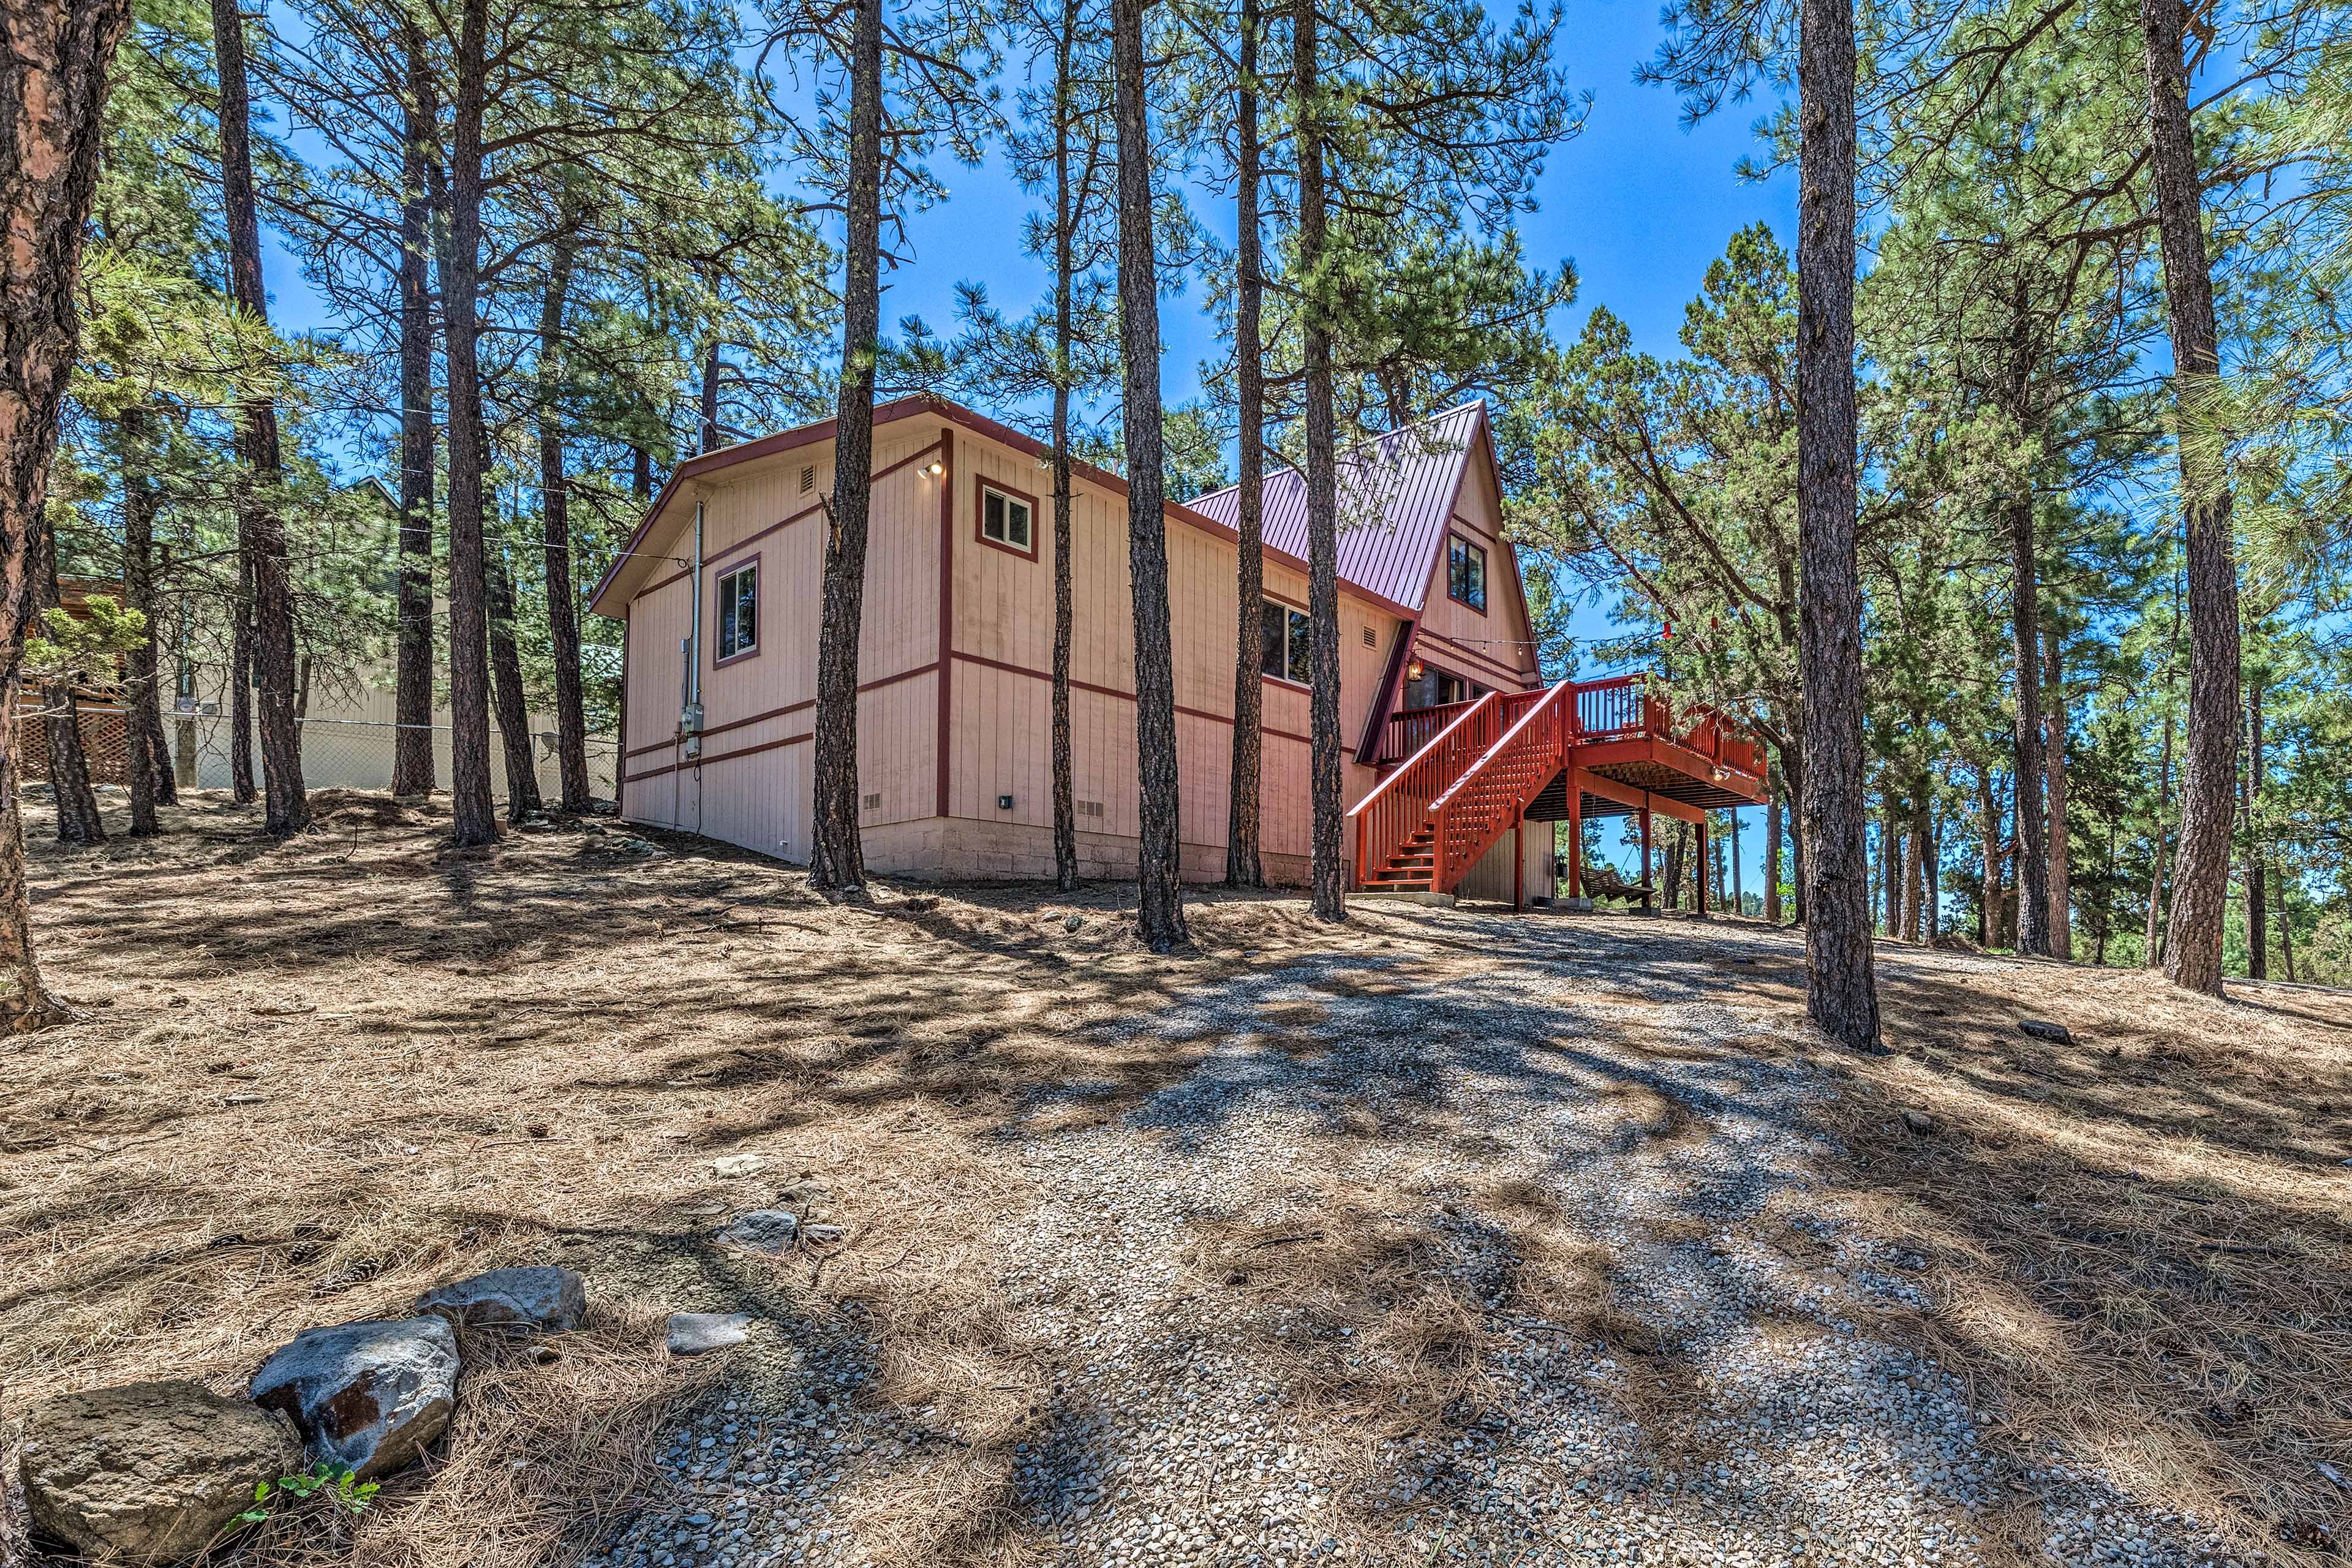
(1496, 1227)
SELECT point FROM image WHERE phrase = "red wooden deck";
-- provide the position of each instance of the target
(1457, 777)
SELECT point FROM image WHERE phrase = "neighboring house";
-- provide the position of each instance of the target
(718, 589)
(348, 728)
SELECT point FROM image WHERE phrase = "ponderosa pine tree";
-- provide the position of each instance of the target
(2201, 872)
(1159, 906)
(412, 746)
(261, 523)
(1243, 866)
(837, 849)
(53, 95)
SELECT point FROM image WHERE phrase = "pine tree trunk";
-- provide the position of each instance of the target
(2062, 891)
(1792, 774)
(837, 848)
(708, 404)
(641, 475)
(474, 819)
(1329, 896)
(1919, 919)
(53, 95)
(2258, 932)
(1160, 911)
(1840, 991)
(555, 518)
(2200, 873)
(1673, 866)
(2152, 949)
(1065, 808)
(142, 729)
(1988, 867)
(412, 745)
(1772, 854)
(77, 821)
(261, 524)
(2026, 743)
(1908, 927)
(506, 691)
(1738, 897)
(2286, 925)
(240, 681)
(1890, 865)
(1243, 866)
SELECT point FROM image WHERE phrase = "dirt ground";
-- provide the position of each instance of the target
(313, 1079)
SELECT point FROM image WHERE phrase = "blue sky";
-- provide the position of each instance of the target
(1639, 204)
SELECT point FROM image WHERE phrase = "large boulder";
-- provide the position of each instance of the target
(370, 1395)
(149, 1473)
(538, 1301)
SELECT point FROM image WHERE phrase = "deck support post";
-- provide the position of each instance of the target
(1575, 836)
(1519, 863)
(1700, 903)
(1649, 898)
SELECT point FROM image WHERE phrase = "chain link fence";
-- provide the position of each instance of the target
(356, 754)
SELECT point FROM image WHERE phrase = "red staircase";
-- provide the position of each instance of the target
(1428, 822)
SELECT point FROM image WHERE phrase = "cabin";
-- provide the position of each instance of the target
(718, 591)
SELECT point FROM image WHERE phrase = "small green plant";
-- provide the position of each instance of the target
(334, 1484)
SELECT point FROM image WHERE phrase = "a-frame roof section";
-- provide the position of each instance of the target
(1397, 496)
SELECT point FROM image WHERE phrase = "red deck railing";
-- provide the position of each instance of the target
(1476, 808)
(1462, 772)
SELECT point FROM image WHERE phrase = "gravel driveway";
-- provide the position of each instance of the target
(1503, 1257)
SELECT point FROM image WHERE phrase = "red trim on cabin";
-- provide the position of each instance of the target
(945, 660)
(721, 757)
(1368, 750)
(985, 661)
(745, 654)
(981, 485)
(1489, 661)
(784, 712)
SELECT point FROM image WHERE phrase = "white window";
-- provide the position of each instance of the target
(739, 611)
(1005, 520)
(1287, 643)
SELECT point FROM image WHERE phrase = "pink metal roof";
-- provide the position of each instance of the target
(1396, 497)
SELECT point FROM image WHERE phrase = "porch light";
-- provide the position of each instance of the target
(1413, 670)
(936, 468)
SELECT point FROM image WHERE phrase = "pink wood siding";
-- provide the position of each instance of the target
(1491, 649)
(751, 784)
(1001, 718)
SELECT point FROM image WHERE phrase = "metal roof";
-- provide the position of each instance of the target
(1396, 498)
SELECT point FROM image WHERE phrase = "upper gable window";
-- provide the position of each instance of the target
(1287, 643)
(1465, 573)
(1007, 519)
(739, 611)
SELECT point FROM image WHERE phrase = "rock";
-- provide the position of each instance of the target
(738, 1165)
(1073, 923)
(694, 1333)
(537, 1301)
(770, 1231)
(1919, 1122)
(367, 1395)
(149, 1473)
(2041, 1029)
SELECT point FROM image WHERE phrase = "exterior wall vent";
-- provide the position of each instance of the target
(808, 478)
